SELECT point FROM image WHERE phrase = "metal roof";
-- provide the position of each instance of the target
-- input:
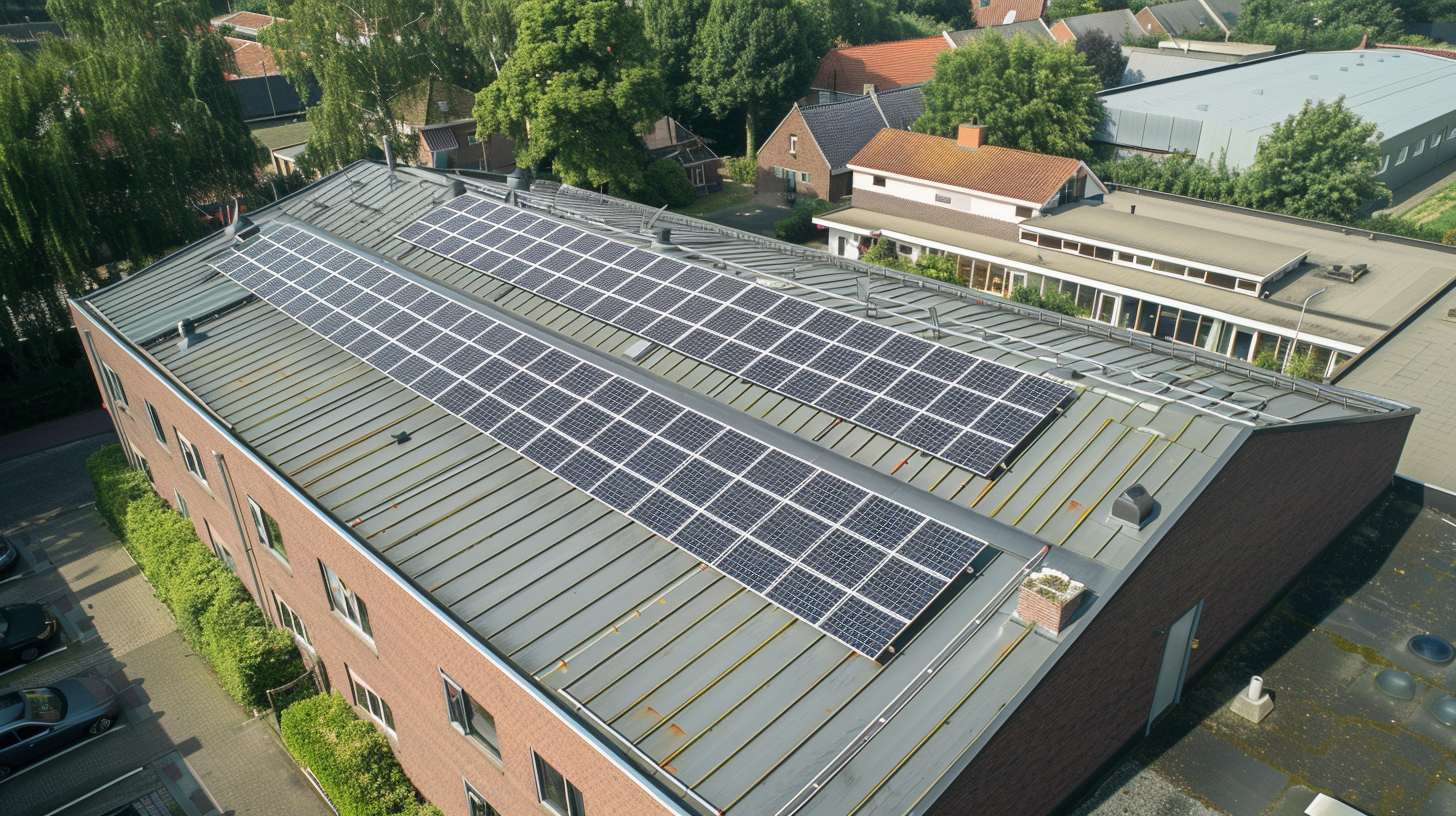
(1147, 64)
(1033, 28)
(1118, 24)
(728, 696)
(1230, 108)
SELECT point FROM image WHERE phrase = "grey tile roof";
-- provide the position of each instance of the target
(1034, 29)
(1119, 24)
(841, 129)
(1183, 16)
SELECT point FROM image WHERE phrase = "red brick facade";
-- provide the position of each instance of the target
(410, 644)
(799, 155)
(1281, 499)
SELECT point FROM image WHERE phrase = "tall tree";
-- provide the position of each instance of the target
(1317, 25)
(954, 14)
(579, 90)
(752, 56)
(365, 56)
(672, 28)
(1058, 9)
(490, 27)
(1104, 55)
(858, 22)
(1031, 95)
(1318, 163)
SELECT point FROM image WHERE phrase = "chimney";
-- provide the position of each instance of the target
(971, 136)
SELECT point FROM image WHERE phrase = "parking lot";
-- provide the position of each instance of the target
(180, 744)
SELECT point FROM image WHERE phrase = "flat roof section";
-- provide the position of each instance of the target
(1197, 245)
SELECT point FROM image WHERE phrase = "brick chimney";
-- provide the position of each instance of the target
(971, 136)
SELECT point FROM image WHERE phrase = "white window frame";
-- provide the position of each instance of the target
(877, 181)
(290, 620)
(472, 139)
(347, 603)
(191, 458)
(182, 504)
(575, 805)
(114, 388)
(157, 429)
(1404, 154)
(1384, 164)
(793, 145)
(1436, 138)
(378, 710)
(1420, 146)
(460, 706)
(260, 526)
(474, 799)
(804, 176)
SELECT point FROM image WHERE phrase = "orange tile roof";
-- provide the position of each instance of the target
(251, 59)
(996, 12)
(1000, 171)
(244, 19)
(886, 65)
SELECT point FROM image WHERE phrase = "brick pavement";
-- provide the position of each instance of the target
(45, 503)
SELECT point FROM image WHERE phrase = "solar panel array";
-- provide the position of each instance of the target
(857, 565)
(969, 411)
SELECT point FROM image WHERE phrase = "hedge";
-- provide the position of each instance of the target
(212, 607)
(350, 758)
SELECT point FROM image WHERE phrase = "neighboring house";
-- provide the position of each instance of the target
(1410, 97)
(1178, 19)
(1119, 25)
(263, 92)
(246, 24)
(285, 159)
(439, 119)
(670, 140)
(809, 152)
(1035, 29)
(1005, 12)
(856, 70)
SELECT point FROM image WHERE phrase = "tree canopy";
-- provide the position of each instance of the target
(1104, 55)
(1317, 25)
(752, 56)
(672, 28)
(1318, 163)
(1058, 9)
(1031, 95)
(579, 90)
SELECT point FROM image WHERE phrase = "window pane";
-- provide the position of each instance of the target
(482, 726)
(385, 714)
(552, 786)
(363, 614)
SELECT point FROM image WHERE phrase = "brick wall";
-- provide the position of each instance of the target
(410, 644)
(805, 159)
(1282, 498)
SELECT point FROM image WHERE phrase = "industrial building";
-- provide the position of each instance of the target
(1409, 95)
(607, 510)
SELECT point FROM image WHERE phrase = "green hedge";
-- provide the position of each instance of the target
(350, 758)
(213, 609)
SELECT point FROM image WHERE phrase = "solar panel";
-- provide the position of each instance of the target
(763, 336)
(858, 566)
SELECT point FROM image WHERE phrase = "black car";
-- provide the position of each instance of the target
(26, 632)
(35, 723)
(9, 557)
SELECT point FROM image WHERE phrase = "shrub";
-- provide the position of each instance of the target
(1449, 239)
(743, 169)
(349, 757)
(665, 182)
(1054, 300)
(212, 608)
(799, 227)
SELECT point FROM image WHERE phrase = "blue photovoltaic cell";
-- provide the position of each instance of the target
(808, 541)
(763, 336)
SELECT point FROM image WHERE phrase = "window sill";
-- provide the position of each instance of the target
(281, 559)
(490, 755)
(359, 633)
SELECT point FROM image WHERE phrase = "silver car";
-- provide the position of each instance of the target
(35, 723)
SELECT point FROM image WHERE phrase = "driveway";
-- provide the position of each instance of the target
(181, 744)
(757, 215)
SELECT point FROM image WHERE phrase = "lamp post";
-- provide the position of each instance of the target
(1290, 354)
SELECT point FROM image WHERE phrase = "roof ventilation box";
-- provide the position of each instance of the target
(1134, 508)
(187, 330)
(1348, 274)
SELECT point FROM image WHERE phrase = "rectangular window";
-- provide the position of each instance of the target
(1435, 138)
(157, 429)
(1247, 286)
(778, 172)
(268, 531)
(793, 145)
(471, 138)
(1384, 163)
(554, 791)
(477, 803)
(143, 465)
(469, 718)
(345, 602)
(825, 97)
(1023, 212)
(181, 504)
(219, 550)
(191, 457)
(1102, 253)
(114, 388)
(291, 621)
(1421, 146)
(1028, 237)
(878, 181)
(804, 177)
(1404, 153)
(365, 698)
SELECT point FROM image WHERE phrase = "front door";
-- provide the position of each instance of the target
(792, 178)
(1174, 669)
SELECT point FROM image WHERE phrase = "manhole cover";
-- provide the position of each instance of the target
(1432, 648)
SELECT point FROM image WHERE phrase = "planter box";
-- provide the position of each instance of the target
(1050, 613)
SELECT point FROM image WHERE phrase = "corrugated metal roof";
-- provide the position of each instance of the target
(731, 696)
(1118, 24)
(1143, 66)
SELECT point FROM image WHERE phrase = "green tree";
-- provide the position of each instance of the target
(1104, 55)
(1317, 25)
(1031, 95)
(955, 14)
(1058, 9)
(672, 28)
(1318, 163)
(579, 90)
(858, 22)
(752, 56)
(490, 27)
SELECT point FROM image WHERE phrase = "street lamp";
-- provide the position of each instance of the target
(1289, 354)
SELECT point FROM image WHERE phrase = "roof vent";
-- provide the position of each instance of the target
(1203, 107)
(241, 229)
(1134, 508)
(1344, 67)
(187, 330)
(1348, 274)
(1314, 76)
(1258, 92)
(517, 180)
(457, 188)
(662, 238)
(401, 437)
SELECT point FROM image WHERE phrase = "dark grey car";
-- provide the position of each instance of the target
(9, 557)
(35, 723)
(26, 632)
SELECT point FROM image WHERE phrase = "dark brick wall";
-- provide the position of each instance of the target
(410, 644)
(1282, 498)
(806, 159)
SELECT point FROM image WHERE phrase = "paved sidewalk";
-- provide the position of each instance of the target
(59, 432)
(225, 761)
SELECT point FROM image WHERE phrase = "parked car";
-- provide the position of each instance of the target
(9, 557)
(35, 723)
(26, 632)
